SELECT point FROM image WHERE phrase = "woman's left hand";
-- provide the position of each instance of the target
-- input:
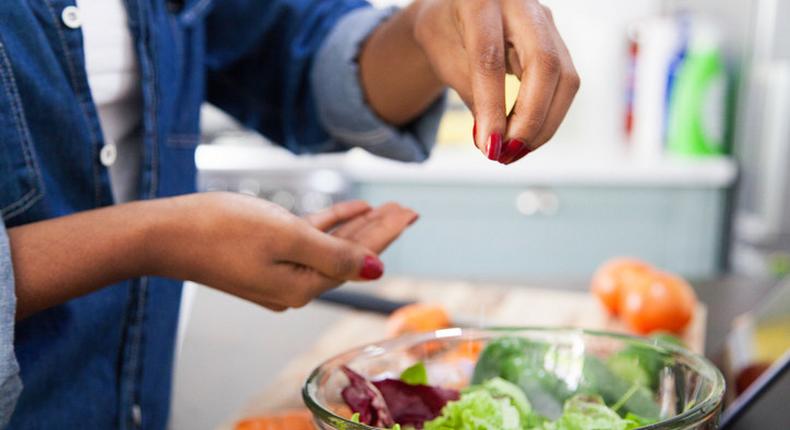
(470, 45)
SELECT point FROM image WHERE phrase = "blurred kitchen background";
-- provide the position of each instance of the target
(676, 151)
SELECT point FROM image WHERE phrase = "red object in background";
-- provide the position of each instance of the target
(645, 298)
(661, 302)
(633, 52)
(616, 275)
(417, 318)
(748, 375)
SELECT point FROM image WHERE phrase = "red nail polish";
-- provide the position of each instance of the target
(372, 268)
(474, 132)
(521, 154)
(494, 146)
(509, 151)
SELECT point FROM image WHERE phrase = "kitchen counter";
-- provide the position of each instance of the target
(485, 304)
(233, 350)
(554, 165)
(549, 166)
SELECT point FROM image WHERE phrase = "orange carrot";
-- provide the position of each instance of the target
(417, 318)
(299, 419)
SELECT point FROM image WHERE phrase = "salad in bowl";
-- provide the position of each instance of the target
(516, 379)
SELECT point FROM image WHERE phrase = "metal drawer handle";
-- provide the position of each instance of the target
(537, 202)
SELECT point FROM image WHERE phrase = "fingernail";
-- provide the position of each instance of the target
(474, 132)
(494, 146)
(414, 218)
(521, 154)
(372, 268)
(511, 149)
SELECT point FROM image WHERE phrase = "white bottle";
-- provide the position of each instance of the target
(659, 40)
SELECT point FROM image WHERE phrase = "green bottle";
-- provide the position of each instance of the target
(697, 103)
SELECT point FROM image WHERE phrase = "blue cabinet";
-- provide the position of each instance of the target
(511, 232)
(548, 217)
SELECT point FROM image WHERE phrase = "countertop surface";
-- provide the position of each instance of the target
(453, 164)
(485, 304)
(234, 350)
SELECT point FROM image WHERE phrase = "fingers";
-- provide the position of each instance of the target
(377, 229)
(373, 231)
(548, 84)
(535, 46)
(471, 44)
(567, 88)
(337, 214)
(350, 229)
(513, 62)
(350, 252)
(334, 257)
(483, 38)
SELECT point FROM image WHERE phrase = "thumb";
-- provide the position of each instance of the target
(337, 258)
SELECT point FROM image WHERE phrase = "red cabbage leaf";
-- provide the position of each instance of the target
(414, 404)
(389, 401)
(365, 399)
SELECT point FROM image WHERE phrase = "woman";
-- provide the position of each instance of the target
(98, 121)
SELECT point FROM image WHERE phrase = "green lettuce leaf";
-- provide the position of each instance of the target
(415, 375)
(521, 361)
(477, 410)
(584, 412)
(493, 405)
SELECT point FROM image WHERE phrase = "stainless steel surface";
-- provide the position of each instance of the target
(243, 163)
(762, 140)
(299, 191)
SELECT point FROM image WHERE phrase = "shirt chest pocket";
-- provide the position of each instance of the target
(20, 180)
(185, 43)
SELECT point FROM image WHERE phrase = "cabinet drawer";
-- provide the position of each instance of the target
(511, 233)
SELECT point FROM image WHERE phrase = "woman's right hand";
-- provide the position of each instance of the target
(258, 251)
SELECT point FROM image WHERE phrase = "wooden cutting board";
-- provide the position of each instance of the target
(486, 304)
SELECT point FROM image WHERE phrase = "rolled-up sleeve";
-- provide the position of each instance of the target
(340, 99)
(10, 383)
(288, 69)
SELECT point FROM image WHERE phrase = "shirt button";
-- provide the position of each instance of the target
(71, 17)
(108, 154)
(137, 415)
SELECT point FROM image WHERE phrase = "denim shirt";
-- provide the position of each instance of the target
(285, 68)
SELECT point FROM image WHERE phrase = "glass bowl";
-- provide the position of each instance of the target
(687, 388)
